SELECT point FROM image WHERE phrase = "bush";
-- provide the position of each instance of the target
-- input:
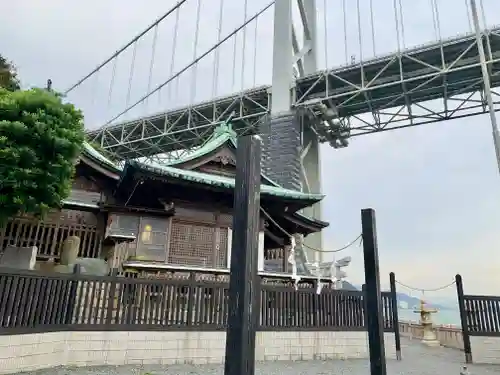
(40, 140)
(8, 75)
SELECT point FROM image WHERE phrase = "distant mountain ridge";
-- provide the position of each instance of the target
(414, 302)
(410, 301)
(348, 286)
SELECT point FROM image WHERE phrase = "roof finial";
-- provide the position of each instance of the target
(224, 128)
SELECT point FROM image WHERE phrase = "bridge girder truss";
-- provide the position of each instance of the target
(422, 85)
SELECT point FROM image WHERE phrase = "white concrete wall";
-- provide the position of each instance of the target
(35, 351)
(485, 349)
(449, 337)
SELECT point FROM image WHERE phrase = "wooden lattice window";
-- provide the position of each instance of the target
(194, 244)
(221, 250)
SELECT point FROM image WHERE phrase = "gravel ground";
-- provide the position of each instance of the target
(417, 360)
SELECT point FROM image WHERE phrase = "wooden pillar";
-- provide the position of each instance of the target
(260, 251)
(463, 319)
(395, 315)
(244, 283)
(372, 294)
(229, 247)
(284, 260)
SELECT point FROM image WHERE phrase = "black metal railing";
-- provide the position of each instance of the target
(482, 315)
(39, 302)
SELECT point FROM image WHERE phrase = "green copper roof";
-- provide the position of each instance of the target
(222, 134)
(220, 181)
(96, 155)
(310, 218)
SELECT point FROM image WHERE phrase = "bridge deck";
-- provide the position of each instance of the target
(417, 75)
(417, 360)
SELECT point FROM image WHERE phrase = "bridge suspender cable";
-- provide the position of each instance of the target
(195, 61)
(140, 35)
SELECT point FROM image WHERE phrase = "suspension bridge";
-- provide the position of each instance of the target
(394, 82)
(305, 102)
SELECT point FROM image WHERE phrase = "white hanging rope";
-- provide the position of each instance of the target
(423, 290)
(269, 217)
(319, 284)
(296, 277)
(291, 259)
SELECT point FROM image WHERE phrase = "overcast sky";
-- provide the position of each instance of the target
(435, 188)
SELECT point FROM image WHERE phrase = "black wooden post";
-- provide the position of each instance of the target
(72, 295)
(243, 283)
(365, 309)
(372, 295)
(112, 296)
(463, 319)
(395, 317)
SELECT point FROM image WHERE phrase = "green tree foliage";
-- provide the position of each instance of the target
(8, 75)
(40, 140)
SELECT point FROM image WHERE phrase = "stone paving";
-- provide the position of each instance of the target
(417, 360)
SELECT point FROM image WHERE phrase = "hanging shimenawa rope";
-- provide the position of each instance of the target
(423, 290)
(358, 238)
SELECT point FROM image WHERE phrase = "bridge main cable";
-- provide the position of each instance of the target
(195, 61)
(132, 41)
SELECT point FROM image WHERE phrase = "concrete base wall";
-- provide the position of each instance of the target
(36, 351)
(449, 337)
(485, 350)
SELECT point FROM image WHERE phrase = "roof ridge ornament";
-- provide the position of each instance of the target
(224, 128)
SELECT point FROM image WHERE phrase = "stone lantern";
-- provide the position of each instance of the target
(429, 335)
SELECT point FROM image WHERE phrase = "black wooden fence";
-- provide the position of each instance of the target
(38, 302)
(480, 316)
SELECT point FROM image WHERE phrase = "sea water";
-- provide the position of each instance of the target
(442, 317)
